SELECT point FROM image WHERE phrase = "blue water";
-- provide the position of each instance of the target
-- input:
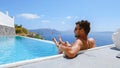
(13, 49)
(101, 38)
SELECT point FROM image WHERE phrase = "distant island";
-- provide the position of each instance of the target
(46, 31)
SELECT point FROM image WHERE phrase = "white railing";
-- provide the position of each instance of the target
(6, 20)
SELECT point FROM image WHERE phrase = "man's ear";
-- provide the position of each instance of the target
(82, 30)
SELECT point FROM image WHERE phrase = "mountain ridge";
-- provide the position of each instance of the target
(45, 31)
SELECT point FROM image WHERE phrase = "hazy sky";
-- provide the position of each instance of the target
(104, 15)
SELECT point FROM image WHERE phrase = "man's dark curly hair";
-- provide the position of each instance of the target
(85, 25)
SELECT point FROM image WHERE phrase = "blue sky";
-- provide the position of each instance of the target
(104, 15)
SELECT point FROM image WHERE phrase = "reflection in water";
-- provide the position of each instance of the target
(6, 46)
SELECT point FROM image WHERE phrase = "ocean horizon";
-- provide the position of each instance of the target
(101, 38)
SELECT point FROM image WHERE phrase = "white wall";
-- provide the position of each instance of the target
(6, 20)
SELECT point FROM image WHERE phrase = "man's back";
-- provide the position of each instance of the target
(90, 43)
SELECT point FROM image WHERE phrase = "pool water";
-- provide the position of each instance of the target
(13, 49)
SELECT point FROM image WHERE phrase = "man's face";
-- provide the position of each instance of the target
(77, 31)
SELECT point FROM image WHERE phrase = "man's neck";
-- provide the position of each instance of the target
(83, 38)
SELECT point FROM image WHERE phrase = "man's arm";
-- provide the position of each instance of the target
(71, 51)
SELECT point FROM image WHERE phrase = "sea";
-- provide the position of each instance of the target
(101, 38)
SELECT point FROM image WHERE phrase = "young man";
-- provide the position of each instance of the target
(81, 43)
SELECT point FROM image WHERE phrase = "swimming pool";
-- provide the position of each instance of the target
(17, 48)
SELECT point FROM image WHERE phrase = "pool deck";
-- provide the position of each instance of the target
(99, 57)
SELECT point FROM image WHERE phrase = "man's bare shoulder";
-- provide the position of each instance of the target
(77, 41)
(92, 41)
